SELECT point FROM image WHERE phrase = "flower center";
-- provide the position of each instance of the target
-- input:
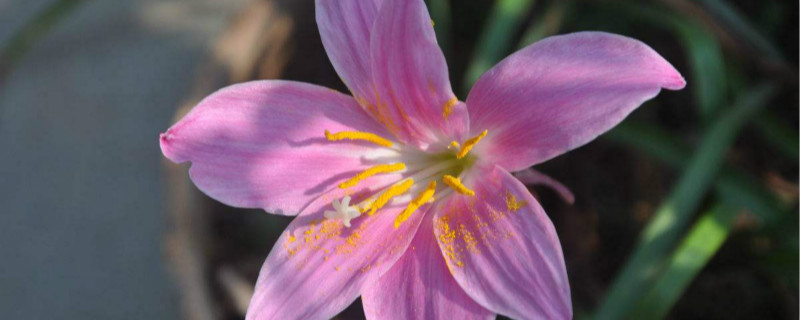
(419, 170)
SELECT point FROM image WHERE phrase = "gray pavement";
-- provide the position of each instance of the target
(81, 197)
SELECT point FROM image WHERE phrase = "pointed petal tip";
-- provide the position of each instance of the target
(678, 82)
(164, 143)
(672, 78)
(165, 137)
(166, 140)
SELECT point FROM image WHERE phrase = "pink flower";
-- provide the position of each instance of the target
(402, 192)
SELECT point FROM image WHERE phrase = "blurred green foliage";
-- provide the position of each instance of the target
(696, 249)
(671, 218)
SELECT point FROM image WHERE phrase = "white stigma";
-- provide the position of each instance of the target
(343, 211)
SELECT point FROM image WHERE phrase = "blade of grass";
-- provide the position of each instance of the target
(22, 41)
(708, 66)
(735, 21)
(549, 23)
(676, 211)
(776, 132)
(697, 248)
(495, 40)
(735, 187)
(442, 23)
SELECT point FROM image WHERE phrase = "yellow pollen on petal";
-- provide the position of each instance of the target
(421, 199)
(390, 193)
(358, 135)
(453, 145)
(455, 183)
(381, 168)
(471, 142)
(512, 203)
(447, 109)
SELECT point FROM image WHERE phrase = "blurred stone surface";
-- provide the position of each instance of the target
(81, 197)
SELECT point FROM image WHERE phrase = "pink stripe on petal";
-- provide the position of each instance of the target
(415, 100)
(318, 267)
(419, 286)
(562, 92)
(345, 27)
(502, 248)
(261, 144)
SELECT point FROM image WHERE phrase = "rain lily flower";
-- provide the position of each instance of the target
(402, 192)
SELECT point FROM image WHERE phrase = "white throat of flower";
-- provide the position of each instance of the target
(421, 171)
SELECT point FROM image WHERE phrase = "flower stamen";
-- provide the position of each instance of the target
(381, 168)
(358, 135)
(456, 185)
(393, 191)
(421, 199)
(471, 142)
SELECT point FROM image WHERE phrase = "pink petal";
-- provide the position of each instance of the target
(534, 177)
(415, 100)
(502, 249)
(318, 267)
(261, 144)
(560, 93)
(345, 27)
(419, 286)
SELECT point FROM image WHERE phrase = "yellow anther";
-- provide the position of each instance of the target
(455, 183)
(358, 135)
(471, 142)
(447, 109)
(453, 145)
(421, 199)
(393, 191)
(381, 168)
(364, 206)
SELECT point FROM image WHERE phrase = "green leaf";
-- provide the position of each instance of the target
(546, 24)
(442, 23)
(495, 40)
(36, 28)
(777, 133)
(697, 248)
(671, 217)
(737, 188)
(708, 66)
(726, 14)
